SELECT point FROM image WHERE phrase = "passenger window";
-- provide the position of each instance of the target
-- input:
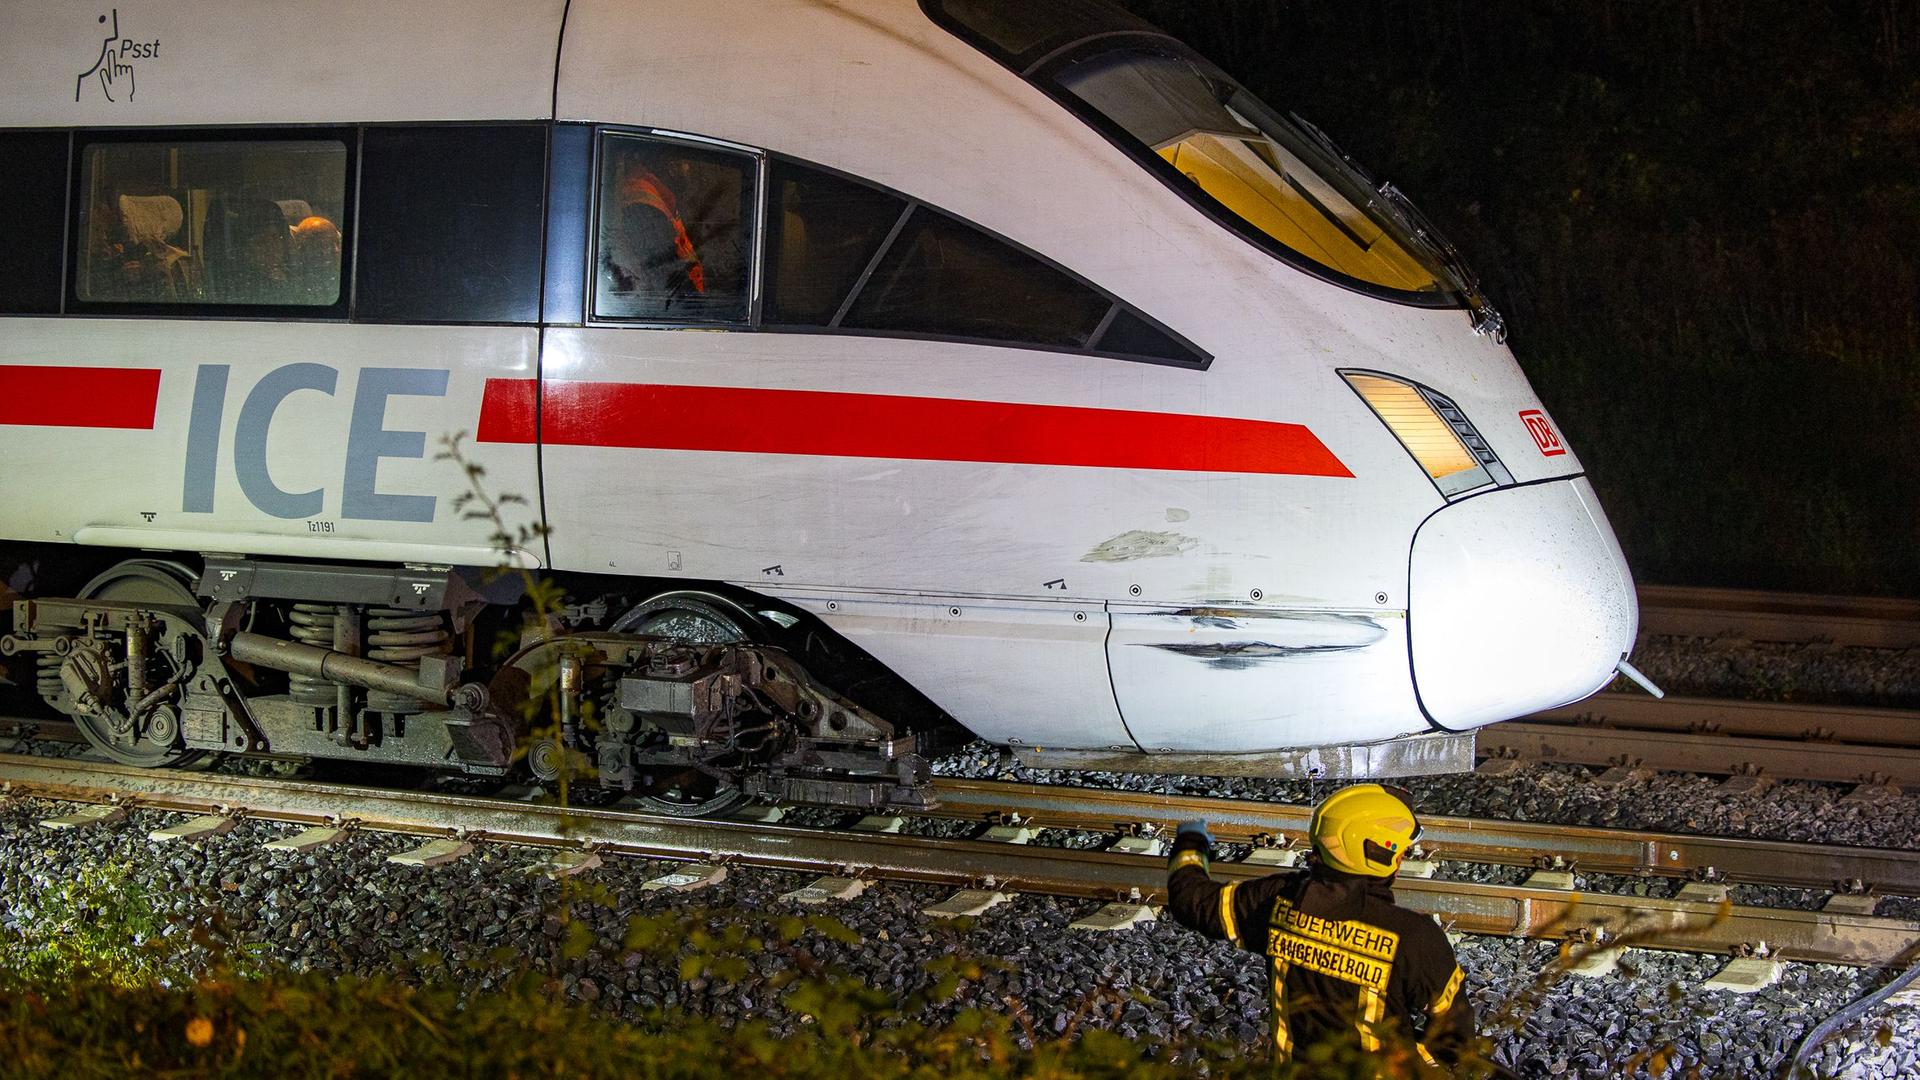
(675, 231)
(941, 276)
(224, 222)
(33, 191)
(450, 222)
(825, 232)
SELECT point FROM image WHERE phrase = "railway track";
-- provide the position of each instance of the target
(1878, 749)
(1499, 843)
(1872, 622)
(1737, 738)
(1819, 936)
(1779, 740)
(1472, 840)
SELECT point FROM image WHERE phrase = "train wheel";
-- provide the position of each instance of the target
(142, 581)
(691, 794)
(701, 618)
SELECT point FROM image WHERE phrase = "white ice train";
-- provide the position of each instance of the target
(1008, 352)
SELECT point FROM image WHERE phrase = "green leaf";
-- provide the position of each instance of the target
(579, 939)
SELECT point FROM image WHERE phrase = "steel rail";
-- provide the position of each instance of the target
(1743, 860)
(1783, 759)
(1822, 937)
(1507, 843)
(1789, 741)
(1755, 719)
(1872, 622)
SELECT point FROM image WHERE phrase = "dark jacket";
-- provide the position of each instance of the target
(1343, 962)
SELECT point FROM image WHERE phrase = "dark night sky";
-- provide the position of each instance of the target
(1703, 223)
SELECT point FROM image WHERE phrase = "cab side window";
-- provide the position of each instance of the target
(943, 277)
(33, 189)
(675, 232)
(846, 255)
(227, 222)
(824, 234)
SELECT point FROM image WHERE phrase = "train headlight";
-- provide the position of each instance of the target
(1434, 431)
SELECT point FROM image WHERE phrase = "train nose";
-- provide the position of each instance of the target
(1518, 600)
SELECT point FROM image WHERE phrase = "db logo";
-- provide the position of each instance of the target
(1547, 439)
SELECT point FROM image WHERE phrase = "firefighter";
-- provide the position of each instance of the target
(1344, 962)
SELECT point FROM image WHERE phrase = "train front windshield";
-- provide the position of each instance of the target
(1270, 176)
(1264, 170)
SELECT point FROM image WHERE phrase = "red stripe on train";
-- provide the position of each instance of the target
(509, 411)
(95, 397)
(755, 421)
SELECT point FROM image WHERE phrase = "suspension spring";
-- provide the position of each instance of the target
(46, 676)
(311, 624)
(398, 636)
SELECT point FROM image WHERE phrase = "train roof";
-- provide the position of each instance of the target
(874, 87)
(275, 61)
(271, 62)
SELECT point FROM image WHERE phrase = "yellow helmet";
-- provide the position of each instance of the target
(1365, 829)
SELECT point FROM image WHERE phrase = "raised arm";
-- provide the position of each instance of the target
(1236, 911)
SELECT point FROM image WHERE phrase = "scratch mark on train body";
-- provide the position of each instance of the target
(1240, 655)
(1141, 544)
(1302, 634)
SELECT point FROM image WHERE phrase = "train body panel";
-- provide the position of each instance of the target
(1021, 672)
(942, 526)
(1245, 680)
(925, 538)
(264, 438)
(1224, 541)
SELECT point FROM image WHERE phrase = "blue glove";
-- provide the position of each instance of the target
(1196, 827)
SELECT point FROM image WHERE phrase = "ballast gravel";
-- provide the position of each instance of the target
(1766, 671)
(345, 909)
